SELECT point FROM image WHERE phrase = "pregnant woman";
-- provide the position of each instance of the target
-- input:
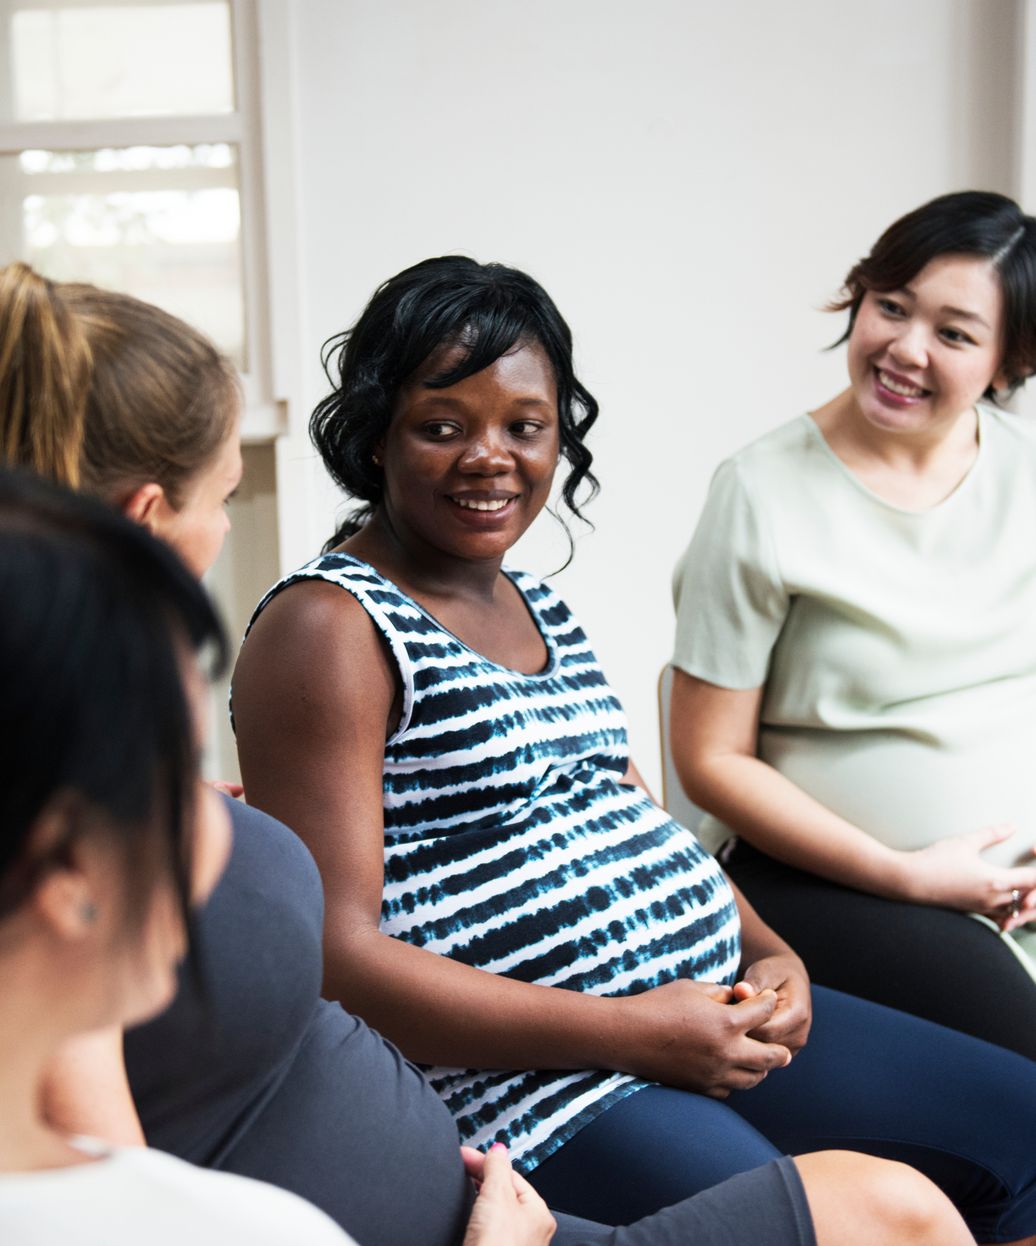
(503, 897)
(256, 1074)
(855, 688)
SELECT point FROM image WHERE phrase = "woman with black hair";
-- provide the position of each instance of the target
(250, 1071)
(855, 693)
(107, 837)
(503, 897)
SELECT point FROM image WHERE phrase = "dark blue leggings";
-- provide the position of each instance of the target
(869, 1079)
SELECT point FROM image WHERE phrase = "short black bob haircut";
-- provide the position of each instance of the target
(969, 222)
(487, 309)
(94, 614)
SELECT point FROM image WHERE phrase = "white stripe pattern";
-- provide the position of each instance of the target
(512, 844)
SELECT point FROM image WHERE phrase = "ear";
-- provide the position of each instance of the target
(148, 506)
(999, 381)
(63, 899)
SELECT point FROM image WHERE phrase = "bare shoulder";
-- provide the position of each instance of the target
(313, 646)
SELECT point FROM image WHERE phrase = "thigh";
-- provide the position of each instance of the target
(874, 1080)
(655, 1147)
(764, 1207)
(934, 963)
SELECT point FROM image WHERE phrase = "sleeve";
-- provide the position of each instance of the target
(730, 599)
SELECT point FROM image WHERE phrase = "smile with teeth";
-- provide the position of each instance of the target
(900, 387)
(479, 504)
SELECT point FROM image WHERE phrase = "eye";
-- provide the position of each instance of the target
(439, 430)
(231, 495)
(526, 428)
(889, 307)
(957, 337)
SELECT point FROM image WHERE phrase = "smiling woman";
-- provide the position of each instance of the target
(855, 696)
(503, 897)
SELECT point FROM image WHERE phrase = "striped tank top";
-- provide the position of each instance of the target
(513, 845)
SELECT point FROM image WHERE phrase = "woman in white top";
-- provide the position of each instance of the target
(107, 837)
(855, 689)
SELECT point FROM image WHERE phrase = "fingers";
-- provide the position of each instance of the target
(987, 836)
(496, 1170)
(474, 1162)
(717, 991)
(756, 1009)
(1021, 879)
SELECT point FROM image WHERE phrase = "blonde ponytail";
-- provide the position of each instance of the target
(45, 371)
(103, 392)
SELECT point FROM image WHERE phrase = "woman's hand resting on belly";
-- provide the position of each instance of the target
(953, 873)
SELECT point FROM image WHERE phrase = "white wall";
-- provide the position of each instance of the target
(689, 179)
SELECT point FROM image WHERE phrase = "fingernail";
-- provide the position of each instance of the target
(498, 1146)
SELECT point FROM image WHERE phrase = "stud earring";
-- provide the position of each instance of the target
(376, 460)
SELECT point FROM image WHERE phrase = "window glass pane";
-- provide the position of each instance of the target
(162, 223)
(75, 61)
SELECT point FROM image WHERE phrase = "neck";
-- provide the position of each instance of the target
(34, 1020)
(853, 438)
(418, 567)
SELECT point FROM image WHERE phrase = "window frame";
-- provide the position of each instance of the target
(264, 418)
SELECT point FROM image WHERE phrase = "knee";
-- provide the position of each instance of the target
(859, 1199)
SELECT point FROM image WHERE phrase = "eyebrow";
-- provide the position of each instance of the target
(960, 313)
(430, 396)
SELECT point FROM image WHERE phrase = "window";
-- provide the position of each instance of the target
(129, 158)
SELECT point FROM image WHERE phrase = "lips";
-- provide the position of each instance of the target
(899, 387)
(481, 504)
(482, 509)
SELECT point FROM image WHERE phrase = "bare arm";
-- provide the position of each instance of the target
(314, 697)
(86, 1092)
(714, 740)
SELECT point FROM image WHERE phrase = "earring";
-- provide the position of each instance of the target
(376, 460)
(88, 912)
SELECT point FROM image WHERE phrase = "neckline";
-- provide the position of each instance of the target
(960, 487)
(95, 1152)
(553, 657)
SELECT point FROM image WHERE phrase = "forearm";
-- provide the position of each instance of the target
(441, 1011)
(758, 940)
(780, 819)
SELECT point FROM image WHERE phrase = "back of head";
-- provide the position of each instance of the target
(451, 300)
(102, 391)
(976, 223)
(95, 616)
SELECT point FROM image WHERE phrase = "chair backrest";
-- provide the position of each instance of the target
(674, 798)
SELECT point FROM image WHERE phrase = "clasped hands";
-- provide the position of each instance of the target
(714, 1039)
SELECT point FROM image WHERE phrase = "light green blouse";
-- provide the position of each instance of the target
(897, 648)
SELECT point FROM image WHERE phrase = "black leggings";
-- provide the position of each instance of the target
(935, 963)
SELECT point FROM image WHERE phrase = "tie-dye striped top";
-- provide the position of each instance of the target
(512, 844)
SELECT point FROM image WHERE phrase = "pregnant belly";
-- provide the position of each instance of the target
(909, 793)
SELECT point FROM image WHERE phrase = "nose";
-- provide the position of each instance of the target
(910, 345)
(486, 454)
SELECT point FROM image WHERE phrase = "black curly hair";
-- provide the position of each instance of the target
(451, 300)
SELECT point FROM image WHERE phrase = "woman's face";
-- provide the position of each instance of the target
(469, 467)
(921, 356)
(198, 528)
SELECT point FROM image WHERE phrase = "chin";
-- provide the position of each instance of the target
(152, 1001)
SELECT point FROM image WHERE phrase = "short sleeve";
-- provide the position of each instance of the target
(730, 599)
